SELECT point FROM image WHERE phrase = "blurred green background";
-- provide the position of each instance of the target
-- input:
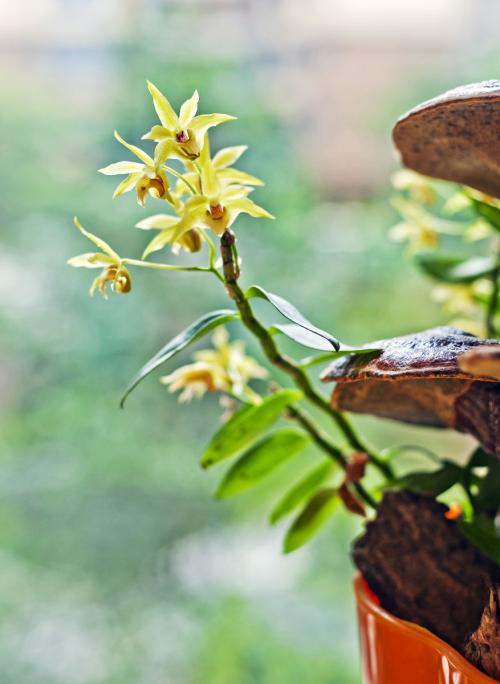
(116, 565)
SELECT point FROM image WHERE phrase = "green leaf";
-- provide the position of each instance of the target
(194, 332)
(315, 513)
(434, 483)
(487, 498)
(301, 490)
(247, 425)
(390, 453)
(261, 460)
(480, 459)
(310, 361)
(455, 269)
(302, 336)
(482, 533)
(289, 311)
(490, 213)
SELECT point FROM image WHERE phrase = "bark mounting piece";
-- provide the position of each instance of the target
(420, 379)
(482, 648)
(455, 137)
(421, 567)
(482, 361)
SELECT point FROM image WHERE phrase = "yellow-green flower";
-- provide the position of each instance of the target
(182, 134)
(113, 272)
(216, 208)
(148, 177)
(419, 228)
(231, 357)
(225, 368)
(194, 380)
(463, 302)
(190, 241)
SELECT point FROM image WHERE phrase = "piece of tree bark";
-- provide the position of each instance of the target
(420, 379)
(482, 648)
(422, 568)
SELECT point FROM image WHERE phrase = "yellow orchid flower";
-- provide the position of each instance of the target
(421, 229)
(190, 241)
(113, 270)
(231, 357)
(148, 177)
(194, 380)
(182, 134)
(215, 208)
(225, 368)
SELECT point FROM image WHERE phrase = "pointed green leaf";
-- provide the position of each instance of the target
(301, 490)
(289, 311)
(310, 361)
(261, 460)
(304, 337)
(455, 269)
(246, 426)
(482, 533)
(194, 332)
(435, 482)
(487, 211)
(487, 497)
(479, 459)
(314, 515)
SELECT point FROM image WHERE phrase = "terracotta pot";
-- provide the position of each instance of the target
(397, 652)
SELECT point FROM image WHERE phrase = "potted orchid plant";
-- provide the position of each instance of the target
(428, 592)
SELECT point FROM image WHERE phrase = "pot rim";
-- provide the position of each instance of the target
(420, 633)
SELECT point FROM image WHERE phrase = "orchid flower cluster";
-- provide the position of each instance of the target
(441, 229)
(208, 195)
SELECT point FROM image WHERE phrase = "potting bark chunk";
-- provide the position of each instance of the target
(418, 379)
(483, 646)
(455, 137)
(482, 361)
(421, 567)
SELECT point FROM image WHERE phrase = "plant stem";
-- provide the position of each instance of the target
(334, 453)
(282, 361)
(171, 267)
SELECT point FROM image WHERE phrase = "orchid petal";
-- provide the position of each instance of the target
(96, 240)
(237, 176)
(161, 221)
(157, 133)
(164, 109)
(135, 150)
(121, 167)
(228, 156)
(245, 206)
(209, 181)
(127, 184)
(158, 242)
(201, 124)
(188, 111)
(91, 260)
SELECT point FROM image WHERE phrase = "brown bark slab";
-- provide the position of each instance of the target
(420, 379)
(455, 137)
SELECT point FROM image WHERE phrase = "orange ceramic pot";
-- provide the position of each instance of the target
(397, 652)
